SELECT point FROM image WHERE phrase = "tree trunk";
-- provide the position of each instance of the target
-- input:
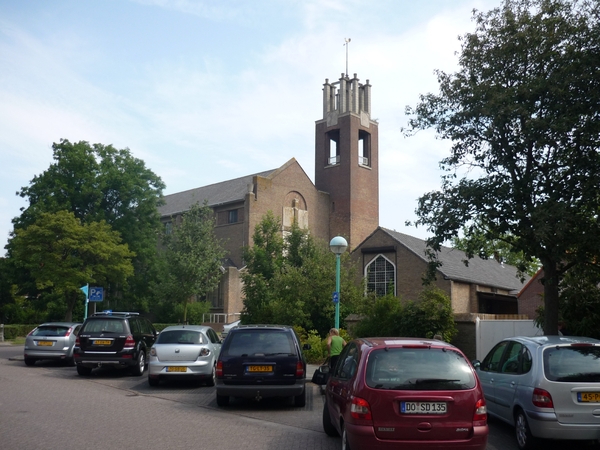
(551, 285)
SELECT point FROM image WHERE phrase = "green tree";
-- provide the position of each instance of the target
(522, 115)
(101, 183)
(62, 254)
(290, 281)
(487, 247)
(431, 314)
(191, 259)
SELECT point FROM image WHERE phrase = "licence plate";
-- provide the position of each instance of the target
(588, 397)
(176, 369)
(423, 407)
(44, 343)
(97, 342)
(261, 369)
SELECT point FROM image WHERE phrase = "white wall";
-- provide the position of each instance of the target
(489, 332)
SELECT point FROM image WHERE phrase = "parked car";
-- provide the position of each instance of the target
(409, 393)
(260, 361)
(117, 339)
(227, 327)
(547, 387)
(184, 352)
(52, 340)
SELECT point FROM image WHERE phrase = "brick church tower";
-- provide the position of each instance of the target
(346, 159)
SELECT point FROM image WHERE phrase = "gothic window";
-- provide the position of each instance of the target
(381, 276)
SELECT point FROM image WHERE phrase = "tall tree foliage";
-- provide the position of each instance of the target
(191, 259)
(62, 254)
(522, 114)
(101, 183)
(290, 281)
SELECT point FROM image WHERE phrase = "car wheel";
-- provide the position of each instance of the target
(300, 400)
(153, 381)
(525, 439)
(345, 445)
(222, 400)
(328, 427)
(140, 366)
(84, 371)
(211, 381)
(29, 361)
(70, 361)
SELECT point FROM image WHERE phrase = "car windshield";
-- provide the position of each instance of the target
(181, 337)
(422, 368)
(51, 330)
(572, 363)
(266, 342)
(104, 326)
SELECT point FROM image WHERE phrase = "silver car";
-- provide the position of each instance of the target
(184, 352)
(547, 387)
(52, 340)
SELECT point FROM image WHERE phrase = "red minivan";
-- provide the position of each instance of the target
(405, 393)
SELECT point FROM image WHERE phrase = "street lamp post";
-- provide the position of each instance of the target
(337, 245)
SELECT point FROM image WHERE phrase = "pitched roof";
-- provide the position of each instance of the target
(215, 194)
(487, 272)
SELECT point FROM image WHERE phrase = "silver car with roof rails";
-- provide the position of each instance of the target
(547, 387)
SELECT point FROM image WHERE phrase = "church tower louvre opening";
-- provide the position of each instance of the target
(347, 158)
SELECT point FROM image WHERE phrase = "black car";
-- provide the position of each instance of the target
(260, 361)
(118, 339)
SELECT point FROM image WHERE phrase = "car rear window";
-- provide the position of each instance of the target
(418, 369)
(266, 342)
(572, 363)
(181, 337)
(104, 326)
(50, 331)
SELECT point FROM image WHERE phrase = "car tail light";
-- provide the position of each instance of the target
(77, 342)
(299, 369)
(219, 369)
(129, 342)
(480, 415)
(29, 334)
(204, 351)
(69, 331)
(542, 398)
(360, 409)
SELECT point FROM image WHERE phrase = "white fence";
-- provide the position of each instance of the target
(489, 332)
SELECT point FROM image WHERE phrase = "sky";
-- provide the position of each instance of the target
(206, 91)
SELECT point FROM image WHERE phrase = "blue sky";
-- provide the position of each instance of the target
(205, 91)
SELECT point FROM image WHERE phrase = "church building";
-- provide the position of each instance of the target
(343, 200)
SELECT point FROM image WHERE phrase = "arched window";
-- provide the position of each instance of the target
(381, 276)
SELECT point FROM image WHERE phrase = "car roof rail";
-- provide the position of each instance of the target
(116, 313)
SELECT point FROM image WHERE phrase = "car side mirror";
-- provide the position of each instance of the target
(476, 363)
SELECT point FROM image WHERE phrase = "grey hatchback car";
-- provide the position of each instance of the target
(51, 340)
(547, 387)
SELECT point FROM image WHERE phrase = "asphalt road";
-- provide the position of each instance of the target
(49, 407)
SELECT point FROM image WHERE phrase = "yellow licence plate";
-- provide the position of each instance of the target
(260, 369)
(176, 369)
(588, 397)
(45, 343)
(97, 342)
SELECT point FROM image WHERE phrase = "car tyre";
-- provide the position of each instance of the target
(153, 381)
(328, 427)
(525, 440)
(345, 445)
(29, 361)
(70, 361)
(212, 380)
(84, 371)
(222, 400)
(140, 366)
(300, 400)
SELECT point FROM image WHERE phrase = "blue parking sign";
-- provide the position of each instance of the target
(96, 294)
(336, 297)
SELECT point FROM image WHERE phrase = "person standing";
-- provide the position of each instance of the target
(335, 344)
